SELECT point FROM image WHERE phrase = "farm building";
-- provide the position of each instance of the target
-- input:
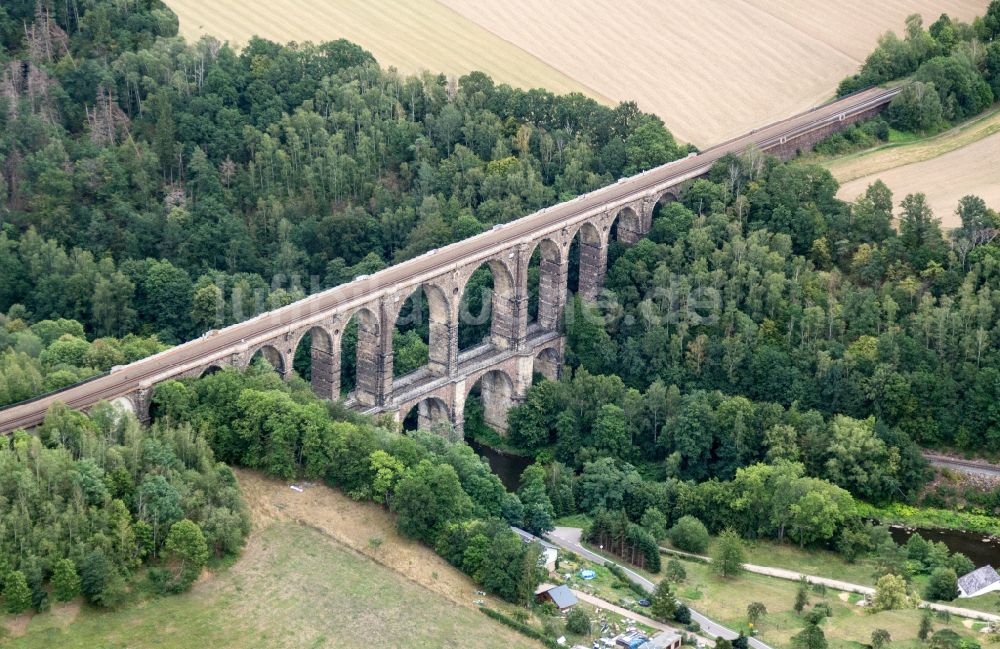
(663, 640)
(561, 596)
(631, 640)
(549, 552)
(634, 639)
(979, 582)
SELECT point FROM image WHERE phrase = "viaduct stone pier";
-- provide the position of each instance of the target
(517, 346)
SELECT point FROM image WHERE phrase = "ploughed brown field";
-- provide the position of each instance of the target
(711, 69)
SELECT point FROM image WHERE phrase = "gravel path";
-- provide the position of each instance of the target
(846, 586)
(569, 539)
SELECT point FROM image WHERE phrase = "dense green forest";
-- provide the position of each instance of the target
(765, 359)
(762, 317)
(147, 180)
(154, 187)
(763, 284)
(954, 66)
(772, 352)
(444, 495)
(51, 354)
(764, 320)
(86, 501)
(441, 491)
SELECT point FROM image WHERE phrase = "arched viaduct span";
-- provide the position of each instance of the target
(503, 365)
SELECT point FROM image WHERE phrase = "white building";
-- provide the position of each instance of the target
(549, 552)
(663, 640)
(979, 582)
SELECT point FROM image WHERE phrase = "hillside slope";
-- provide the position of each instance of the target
(304, 580)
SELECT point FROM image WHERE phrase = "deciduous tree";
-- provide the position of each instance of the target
(728, 557)
(65, 581)
(689, 534)
(890, 593)
(16, 594)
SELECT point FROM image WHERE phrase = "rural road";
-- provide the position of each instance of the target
(624, 612)
(569, 539)
(846, 586)
(244, 336)
(974, 467)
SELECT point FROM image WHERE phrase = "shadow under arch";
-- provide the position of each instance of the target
(208, 371)
(486, 308)
(626, 226)
(270, 355)
(361, 362)
(586, 262)
(427, 414)
(547, 364)
(546, 285)
(488, 400)
(316, 361)
(422, 332)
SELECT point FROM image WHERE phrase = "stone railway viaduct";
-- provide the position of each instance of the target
(504, 363)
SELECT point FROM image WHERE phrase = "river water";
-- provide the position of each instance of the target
(982, 550)
(507, 466)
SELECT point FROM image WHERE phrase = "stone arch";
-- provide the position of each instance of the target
(667, 197)
(367, 357)
(588, 258)
(551, 287)
(439, 325)
(589, 233)
(660, 201)
(273, 356)
(502, 300)
(548, 363)
(626, 226)
(496, 394)
(430, 412)
(124, 405)
(211, 369)
(324, 362)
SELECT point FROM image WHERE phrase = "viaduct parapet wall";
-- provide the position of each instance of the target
(517, 346)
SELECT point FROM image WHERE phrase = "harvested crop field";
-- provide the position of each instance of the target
(961, 161)
(971, 169)
(411, 35)
(710, 69)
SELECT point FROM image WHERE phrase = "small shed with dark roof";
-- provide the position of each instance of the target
(561, 596)
(979, 582)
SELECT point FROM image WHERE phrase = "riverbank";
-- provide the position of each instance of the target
(507, 464)
(975, 521)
